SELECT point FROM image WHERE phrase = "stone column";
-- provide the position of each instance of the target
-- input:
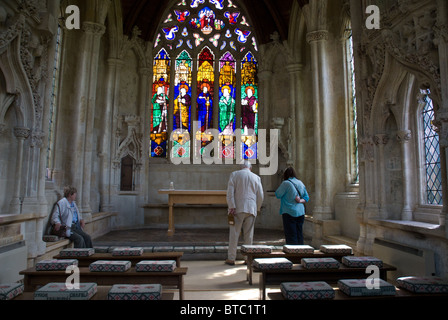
(297, 126)
(113, 83)
(86, 102)
(404, 137)
(21, 134)
(381, 140)
(441, 40)
(317, 40)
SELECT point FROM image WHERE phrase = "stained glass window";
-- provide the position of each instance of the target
(160, 100)
(212, 44)
(205, 93)
(432, 153)
(249, 106)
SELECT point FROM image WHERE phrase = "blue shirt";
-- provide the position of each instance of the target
(75, 212)
(287, 193)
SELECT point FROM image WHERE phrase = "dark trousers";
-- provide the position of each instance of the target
(80, 238)
(293, 228)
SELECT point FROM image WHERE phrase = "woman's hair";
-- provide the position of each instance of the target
(69, 190)
(289, 173)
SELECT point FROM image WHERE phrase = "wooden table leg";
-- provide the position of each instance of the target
(170, 220)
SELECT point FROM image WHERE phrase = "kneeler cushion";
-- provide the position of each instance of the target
(361, 262)
(359, 288)
(127, 251)
(336, 248)
(135, 292)
(156, 266)
(423, 284)
(55, 264)
(59, 291)
(9, 291)
(77, 252)
(287, 248)
(256, 249)
(320, 263)
(110, 266)
(315, 290)
(272, 263)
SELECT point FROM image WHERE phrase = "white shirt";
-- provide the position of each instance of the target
(245, 192)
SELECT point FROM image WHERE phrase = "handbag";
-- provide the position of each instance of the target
(62, 232)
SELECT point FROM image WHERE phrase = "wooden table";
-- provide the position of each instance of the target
(86, 261)
(33, 279)
(300, 274)
(293, 257)
(191, 197)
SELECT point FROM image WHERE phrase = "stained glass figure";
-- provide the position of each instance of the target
(249, 106)
(160, 100)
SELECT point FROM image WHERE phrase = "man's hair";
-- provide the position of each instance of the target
(246, 164)
(289, 173)
(69, 190)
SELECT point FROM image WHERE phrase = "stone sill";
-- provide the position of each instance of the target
(422, 228)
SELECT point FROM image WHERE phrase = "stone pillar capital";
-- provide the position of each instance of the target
(93, 28)
(21, 133)
(319, 35)
(404, 136)
(381, 138)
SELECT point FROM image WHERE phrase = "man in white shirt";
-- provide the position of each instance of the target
(244, 199)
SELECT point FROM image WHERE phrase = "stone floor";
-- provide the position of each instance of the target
(208, 244)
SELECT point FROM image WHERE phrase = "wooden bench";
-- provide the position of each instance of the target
(33, 279)
(101, 294)
(86, 261)
(293, 257)
(402, 294)
(300, 274)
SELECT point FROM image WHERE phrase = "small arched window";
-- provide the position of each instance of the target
(432, 152)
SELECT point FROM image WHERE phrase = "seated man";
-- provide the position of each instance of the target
(66, 212)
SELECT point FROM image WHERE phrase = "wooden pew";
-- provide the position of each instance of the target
(300, 274)
(86, 261)
(402, 294)
(101, 294)
(293, 257)
(33, 279)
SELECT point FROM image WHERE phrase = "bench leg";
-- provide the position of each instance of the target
(262, 287)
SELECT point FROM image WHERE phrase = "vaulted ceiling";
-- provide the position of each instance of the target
(267, 16)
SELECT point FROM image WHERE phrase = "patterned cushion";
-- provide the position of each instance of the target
(307, 290)
(59, 291)
(50, 238)
(135, 292)
(256, 249)
(127, 251)
(272, 263)
(358, 288)
(423, 284)
(156, 265)
(297, 249)
(78, 252)
(336, 248)
(320, 263)
(54, 264)
(110, 266)
(361, 262)
(10, 290)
